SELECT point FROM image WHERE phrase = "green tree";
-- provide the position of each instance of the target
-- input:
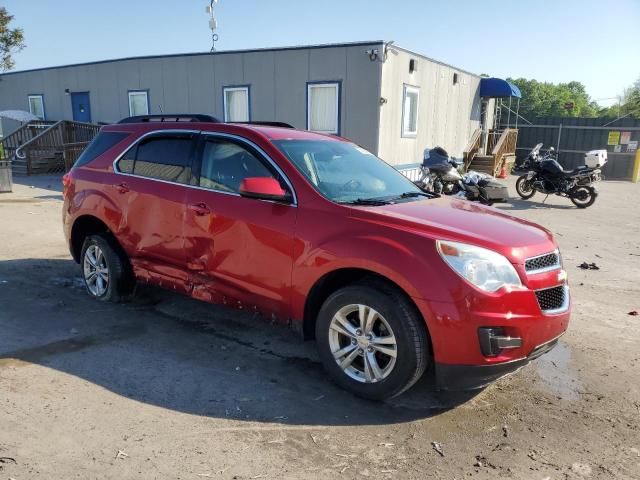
(11, 40)
(627, 106)
(544, 99)
(631, 100)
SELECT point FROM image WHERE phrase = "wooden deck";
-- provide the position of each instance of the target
(501, 151)
(47, 147)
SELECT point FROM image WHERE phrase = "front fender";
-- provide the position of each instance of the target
(408, 260)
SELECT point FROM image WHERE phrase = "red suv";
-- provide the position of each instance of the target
(319, 233)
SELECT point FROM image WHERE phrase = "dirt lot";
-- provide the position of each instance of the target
(168, 387)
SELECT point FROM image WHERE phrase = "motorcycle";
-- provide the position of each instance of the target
(546, 175)
(439, 174)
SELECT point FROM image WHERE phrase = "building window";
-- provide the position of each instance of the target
(236, 104)
(138, 102)
(36, 106)
(410, 99)
(323, 107)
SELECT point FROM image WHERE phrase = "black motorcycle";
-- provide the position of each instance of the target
(546, 175)
(439, 174)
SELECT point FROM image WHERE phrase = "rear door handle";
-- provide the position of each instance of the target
(122, 187)
(200, 209)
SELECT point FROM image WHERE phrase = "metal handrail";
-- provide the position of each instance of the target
(19, 154)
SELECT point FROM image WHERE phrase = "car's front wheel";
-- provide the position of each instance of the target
(105, 269)
(372, 341)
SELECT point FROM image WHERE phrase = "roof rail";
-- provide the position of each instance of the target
(170, 117)
(267, 124)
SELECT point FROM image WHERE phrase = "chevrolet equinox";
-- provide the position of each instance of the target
(317, 232)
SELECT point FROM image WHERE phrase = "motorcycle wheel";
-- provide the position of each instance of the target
(583, 196)
(524, 188)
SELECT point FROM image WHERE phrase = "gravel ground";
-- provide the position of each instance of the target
(168, 387)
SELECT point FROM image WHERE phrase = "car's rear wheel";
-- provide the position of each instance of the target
(105, 269)
(372, 341)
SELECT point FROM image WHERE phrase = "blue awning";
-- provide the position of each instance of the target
(497, 88)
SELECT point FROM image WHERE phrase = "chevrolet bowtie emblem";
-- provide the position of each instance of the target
(562, 276)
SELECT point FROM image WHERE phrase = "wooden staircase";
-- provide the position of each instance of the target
(46, 147)
(502, 145)
(482, 163)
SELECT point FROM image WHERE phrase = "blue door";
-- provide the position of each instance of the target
(81, 107)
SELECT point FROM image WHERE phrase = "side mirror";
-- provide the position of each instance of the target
(264, 188)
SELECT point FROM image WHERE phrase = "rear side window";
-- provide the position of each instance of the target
(163, 158)
(103, 142)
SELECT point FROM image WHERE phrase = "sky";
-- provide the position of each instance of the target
(596, 42)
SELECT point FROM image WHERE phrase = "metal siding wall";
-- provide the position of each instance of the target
(447, 116)
(290, 84)
(175, 82)
(228, 70)
(278, 81)
(125, 77)
(361, 108)
(202, 96)
(259, 72)
(151, 78)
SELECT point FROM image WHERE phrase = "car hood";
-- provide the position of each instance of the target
(460, 220)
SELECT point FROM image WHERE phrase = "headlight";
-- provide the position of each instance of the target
(483, 268)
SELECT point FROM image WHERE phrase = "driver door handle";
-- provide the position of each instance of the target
(200, 209)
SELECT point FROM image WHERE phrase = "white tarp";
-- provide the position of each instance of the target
(18, 115)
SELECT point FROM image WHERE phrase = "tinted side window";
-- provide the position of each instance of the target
(125, 164)
(163, 158)
(225, 164)
(100, 144)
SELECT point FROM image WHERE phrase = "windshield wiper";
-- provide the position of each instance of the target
(413, 195)
(367, 201)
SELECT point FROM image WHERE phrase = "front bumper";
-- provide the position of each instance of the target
(470, 377)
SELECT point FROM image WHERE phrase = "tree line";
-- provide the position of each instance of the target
(544, 99)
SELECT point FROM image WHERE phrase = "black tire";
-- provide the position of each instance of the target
(524, 188)
(407, 326)
(583, 196)
(120, 283)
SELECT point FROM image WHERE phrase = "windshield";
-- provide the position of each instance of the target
(533, 153)
(346, 173)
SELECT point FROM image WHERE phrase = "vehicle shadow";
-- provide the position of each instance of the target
(184, 355)
(520, 204)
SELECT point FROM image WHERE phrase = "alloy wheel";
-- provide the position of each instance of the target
(96, 271)
(362, 343)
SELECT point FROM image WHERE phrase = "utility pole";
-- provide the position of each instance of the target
(213, 24)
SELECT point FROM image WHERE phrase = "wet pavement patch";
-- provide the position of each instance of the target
(554, 369)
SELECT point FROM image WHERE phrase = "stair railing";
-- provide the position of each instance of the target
(45, 152)
(506, 145)
(22, 135)
(473, 147)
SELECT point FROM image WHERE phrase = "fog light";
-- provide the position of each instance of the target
(493, 341)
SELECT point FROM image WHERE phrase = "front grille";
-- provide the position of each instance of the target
(552, 298)
(543, 262)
